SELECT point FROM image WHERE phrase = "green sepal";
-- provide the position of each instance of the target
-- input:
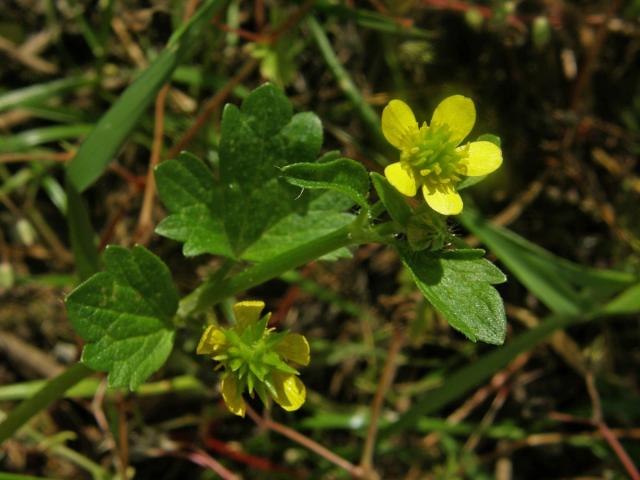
(262, 393)
(392, 200)
(467, 182)
(489, 137)
(427, 229)
(273, 359)
(471, 181)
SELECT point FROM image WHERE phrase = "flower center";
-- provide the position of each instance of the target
(434, 158)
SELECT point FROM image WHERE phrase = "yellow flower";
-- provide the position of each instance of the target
(256, 359)
(431, 157)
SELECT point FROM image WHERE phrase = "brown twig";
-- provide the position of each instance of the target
(560, 341)
(608, 434)
(585, 74)
(550, 438)
(516, 207)
(26, 356)
(132, 48)
(291, 21)
(496, 382)
(101, 419)
(605, 431)
(489, 417)
(28, 60)
(189, 9)
(38, 42)
(212, 104)
(29, 157)
(49, 235)
(202, 458)
(235, 453)
(135, 181)
(388, 373)
(306, 442)
(145, 221)
(258, 12)
(123, 437)
(240, 32)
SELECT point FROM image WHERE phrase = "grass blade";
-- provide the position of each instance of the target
(30, 138)
(81, 234)
(553, 280)
(364, 110)
(35, 94)
(114, 127)
(52, 391)
(466, 378)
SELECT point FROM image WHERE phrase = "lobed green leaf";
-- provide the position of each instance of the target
(255, 198)
(251, 212)
(125, 316)
(459, 285)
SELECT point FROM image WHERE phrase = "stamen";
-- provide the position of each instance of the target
(434, 158)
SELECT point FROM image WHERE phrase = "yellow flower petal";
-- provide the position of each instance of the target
(401, 179)
(294, 347)
(232, 397)
(445, 201)
(399, 124)
(212, 342)
(291, 391)
(247, 312)
(484, 158)
(458, 113)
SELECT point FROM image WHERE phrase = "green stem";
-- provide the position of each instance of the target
(52, 391)
(212, 291)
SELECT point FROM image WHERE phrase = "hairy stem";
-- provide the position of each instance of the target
(213, 291)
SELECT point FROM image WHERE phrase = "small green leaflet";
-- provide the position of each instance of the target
(458, 284)
(325, 214)
(343, 175)
(187, 188)
(256, 141)
(125, 316)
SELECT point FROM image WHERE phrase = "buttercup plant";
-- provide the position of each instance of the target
(167, 333)
(128, 314)
(271, 204)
